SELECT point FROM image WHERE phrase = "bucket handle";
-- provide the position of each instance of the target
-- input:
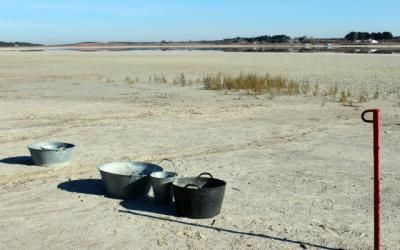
(125, 159)
(192, 185)
(173, 164)
(205, 173)
(137, 177)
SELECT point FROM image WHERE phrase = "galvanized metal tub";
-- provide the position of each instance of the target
(127, 179)
(51, 153)
(162, 186)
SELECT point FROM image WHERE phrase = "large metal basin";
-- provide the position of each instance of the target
(127, 179)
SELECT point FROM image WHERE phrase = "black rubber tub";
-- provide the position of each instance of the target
(198, 197)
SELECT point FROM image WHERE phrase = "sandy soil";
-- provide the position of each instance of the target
(299, 170)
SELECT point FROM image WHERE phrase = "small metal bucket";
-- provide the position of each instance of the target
(50, 153)
(127, 179)
(162, 184)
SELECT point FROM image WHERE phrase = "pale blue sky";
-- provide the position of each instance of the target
(67, 21)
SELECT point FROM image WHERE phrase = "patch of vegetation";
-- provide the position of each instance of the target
(109, 80)
(129, 80)
(343, 97)
(376, 94)
(305, 87)
(18, 44)
(365, 36)
(273, 85)
(180, 79)
(158, 78)
(316, 90)
(363, 97)
(259, 39)
(255, 84)
(333, 90)
(398, 100)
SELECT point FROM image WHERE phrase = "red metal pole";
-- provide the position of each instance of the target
(377, 175)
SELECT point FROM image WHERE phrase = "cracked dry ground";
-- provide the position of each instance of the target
(298, 173)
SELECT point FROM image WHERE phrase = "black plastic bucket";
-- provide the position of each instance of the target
(198, 197)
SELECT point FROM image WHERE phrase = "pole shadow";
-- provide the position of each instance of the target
(219, 229)
(18, 160)
(83, 186)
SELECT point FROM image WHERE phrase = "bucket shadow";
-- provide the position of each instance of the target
(219, 229)
(147, 204)
(84, 186)
(18, 160)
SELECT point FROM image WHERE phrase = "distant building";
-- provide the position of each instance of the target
(372, 41)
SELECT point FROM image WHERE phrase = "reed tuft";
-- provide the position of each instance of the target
(253, 84)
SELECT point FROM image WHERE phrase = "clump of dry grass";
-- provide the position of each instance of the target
(305, 87)
(376, 94)
(343, 97)
(293, 88)
(216, 82)
(363, 97)
(349, 93)
(159, 78)
(333, 90)
(180, 80)
(316, 90)
(252, 83)
(398, 100)
(129, 80)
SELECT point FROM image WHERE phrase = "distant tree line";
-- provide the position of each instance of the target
(365, 36)
(260, 39)
(14, 44)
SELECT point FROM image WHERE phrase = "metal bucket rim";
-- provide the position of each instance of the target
(175, 183)
(129, 165)
(38, 145)
(170, 174)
